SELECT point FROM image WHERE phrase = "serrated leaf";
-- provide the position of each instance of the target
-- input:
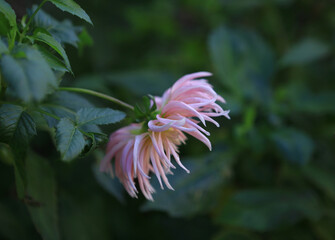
(294, 145)
(42, 198)
(3, 47)
(64, 105)
(63, 32)
(29, 78)
(16, 128)
(70, 141)
(9, 13)
(54, 45)
(16, 125)
(306, 51)
(53, 61)
(50, 41)
(99, 116)
(73, 8)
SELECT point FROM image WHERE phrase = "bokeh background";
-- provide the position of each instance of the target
(271, 174)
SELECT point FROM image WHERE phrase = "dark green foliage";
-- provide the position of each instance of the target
(194, 193)
(28, 76)
(41, 197)
(271, 173)
(16, 129)
(307, 51)
(16, 125)
(268, 209)
(111, 185)
(293, 145)
(242, 58)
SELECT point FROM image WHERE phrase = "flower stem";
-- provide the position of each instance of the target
(97, 94)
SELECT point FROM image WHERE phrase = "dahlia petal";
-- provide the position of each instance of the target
(190, 77)
(174, 106)
(138, 141)
(160, 145)
(176, 157)
(162, 173)
(197, 127)
(156, 128)
(155, 162)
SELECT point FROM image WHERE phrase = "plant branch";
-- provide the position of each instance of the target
(97, 94)
(26, 28)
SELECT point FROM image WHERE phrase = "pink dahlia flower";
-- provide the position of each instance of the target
(187, 99)
(137, 154)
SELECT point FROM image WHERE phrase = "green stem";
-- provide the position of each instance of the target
(12, 35)
(30, 19)
(97, 94)
(47, 113)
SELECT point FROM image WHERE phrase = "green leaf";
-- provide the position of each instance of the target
(70, 141)
(300, 98)
(294, 145)
(85, 40)
(265, 210)
(29, 78)
(4, 25)
(63, 32)
(243, 61)
(196, 192)
(3, 47)
(42, 198)
(16, 125)
(306, 51)
(321, 178)
(99, 116)
(50, 41)
(64, 105)
(16, 128)
(9, 13)
(53, 61)
(73, 8)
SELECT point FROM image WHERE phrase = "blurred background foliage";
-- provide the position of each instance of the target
(271, 173)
